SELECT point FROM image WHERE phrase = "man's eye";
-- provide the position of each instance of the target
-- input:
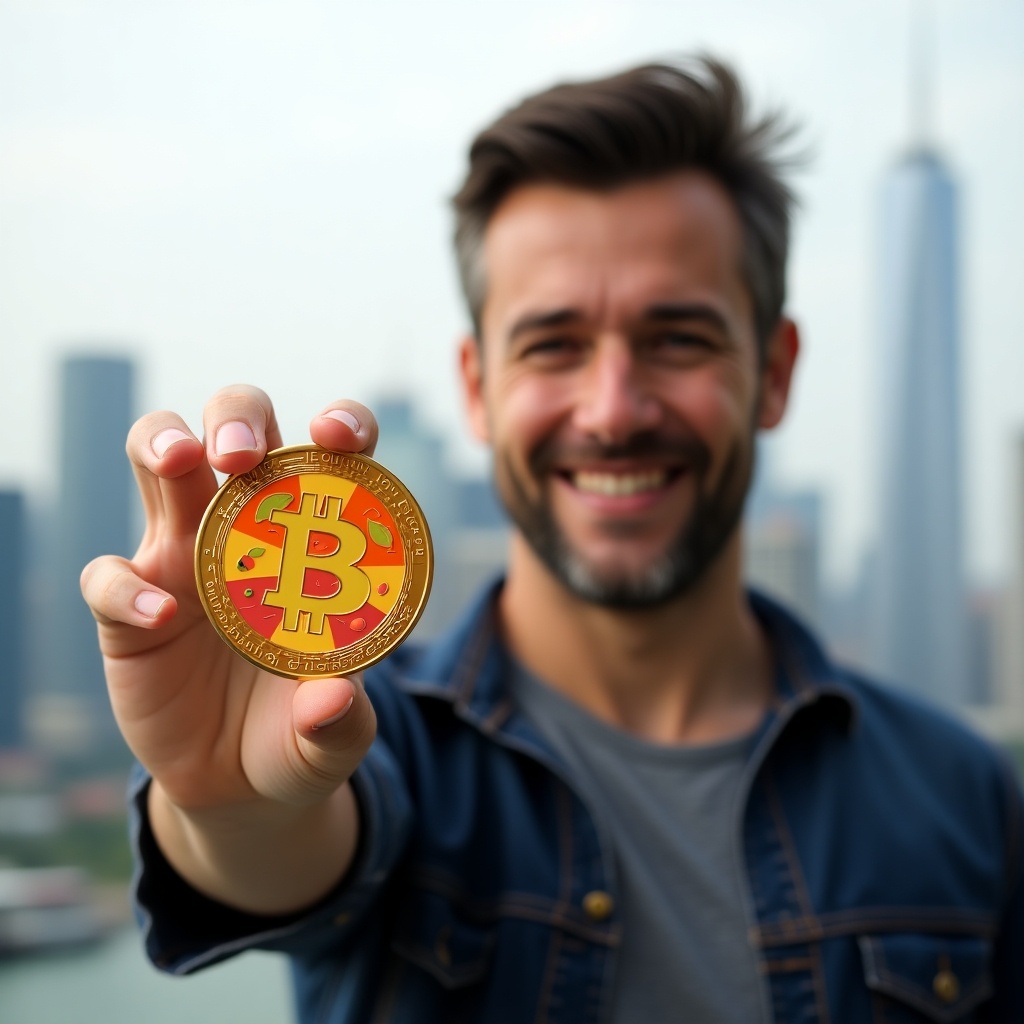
(681, 339)
(542, 348)
(680, 344)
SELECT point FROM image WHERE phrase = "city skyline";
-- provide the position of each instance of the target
(267, 201)
(60, 696)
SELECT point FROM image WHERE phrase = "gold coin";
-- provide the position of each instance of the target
(315, 563)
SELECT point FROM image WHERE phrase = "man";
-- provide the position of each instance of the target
(622, 789)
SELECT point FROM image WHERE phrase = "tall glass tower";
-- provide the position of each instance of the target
(920, 610)
(93, 518)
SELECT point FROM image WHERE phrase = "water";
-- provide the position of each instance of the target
(112, 983)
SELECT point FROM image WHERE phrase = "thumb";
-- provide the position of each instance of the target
(335, 725)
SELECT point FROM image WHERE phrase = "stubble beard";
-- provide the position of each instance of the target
(695, 547)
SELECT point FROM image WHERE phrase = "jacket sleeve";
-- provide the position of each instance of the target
(184, 930)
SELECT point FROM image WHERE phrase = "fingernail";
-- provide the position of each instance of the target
(335, 718)
(235, 436)
(344, 416)
(149, 604)
(166, 439)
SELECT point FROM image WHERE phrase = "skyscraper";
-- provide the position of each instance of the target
(1010, 685)
(782, 542)
(467, 525)
(920, 606)
(94, 517)
(13, 619)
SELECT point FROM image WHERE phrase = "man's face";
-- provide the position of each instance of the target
(619, 383)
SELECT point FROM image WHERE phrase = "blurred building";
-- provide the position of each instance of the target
(782, 540)
(93, 517)
(480, 545)
(13, 619)
(1010, 676)
(467, 527)
(919, 614)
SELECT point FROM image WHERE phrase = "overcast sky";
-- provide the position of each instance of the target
(258, 191)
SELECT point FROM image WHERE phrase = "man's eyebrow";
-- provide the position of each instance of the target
(538, 321)
(671, 311)
(662, 312)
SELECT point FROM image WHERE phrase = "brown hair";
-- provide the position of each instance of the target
(641, 123)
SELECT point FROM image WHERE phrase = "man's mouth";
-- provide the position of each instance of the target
(620, 484)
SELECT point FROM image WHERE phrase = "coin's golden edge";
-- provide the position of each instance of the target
(421, 573)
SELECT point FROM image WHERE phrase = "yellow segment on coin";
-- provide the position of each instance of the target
(314, 563)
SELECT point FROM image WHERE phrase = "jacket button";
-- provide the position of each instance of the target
(598, 905)
(946, 986)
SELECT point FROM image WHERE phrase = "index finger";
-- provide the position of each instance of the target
(175, 482)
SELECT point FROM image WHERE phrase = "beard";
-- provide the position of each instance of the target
(696, 545)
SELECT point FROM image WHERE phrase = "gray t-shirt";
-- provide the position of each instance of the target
(671, 812)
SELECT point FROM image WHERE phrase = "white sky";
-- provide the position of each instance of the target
(257, 191)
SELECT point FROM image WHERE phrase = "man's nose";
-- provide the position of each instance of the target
(615, 400)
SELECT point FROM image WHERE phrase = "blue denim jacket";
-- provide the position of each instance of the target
(883, 845)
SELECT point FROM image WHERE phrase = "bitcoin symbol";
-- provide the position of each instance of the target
(351, 587)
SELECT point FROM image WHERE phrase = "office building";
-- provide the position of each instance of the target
(467, 524)
(94, 516)
(1010, 675)
(782, 541)
(919, 609)
(13, 619)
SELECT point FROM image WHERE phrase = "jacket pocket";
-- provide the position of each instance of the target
(437, 936)
(918, 977)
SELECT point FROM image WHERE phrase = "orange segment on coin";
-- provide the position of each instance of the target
(315, 563)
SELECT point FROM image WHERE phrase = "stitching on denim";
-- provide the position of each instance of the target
(788, 965)
(949, 920)
(548, 983)
(818, 981)
(796, 874)
(888, 986)
(498, 717)
(563, 810)
(526, 906)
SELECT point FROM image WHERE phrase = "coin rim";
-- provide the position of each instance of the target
(207, 550)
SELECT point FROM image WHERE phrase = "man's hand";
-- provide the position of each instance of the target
(249, 801)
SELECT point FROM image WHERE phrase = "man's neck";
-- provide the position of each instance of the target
(694, 670)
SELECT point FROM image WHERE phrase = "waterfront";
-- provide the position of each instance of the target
(110, 982)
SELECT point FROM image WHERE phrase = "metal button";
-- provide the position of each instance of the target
(598, 905)
(946, 985)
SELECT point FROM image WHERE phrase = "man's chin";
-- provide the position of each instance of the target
(616, 587)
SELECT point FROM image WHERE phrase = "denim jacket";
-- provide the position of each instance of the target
(882, 841)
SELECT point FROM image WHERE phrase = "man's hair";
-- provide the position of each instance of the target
(640, 124)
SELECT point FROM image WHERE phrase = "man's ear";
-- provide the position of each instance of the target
(471, 373)
(777, 366)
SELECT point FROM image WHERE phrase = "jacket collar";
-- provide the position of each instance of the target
(468, 665)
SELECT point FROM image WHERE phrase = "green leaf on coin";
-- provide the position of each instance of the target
(270, 503)
(379, 533)
(256, 552)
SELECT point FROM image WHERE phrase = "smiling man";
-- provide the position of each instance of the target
(622, 789)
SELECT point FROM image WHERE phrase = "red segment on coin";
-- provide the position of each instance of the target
(314, 563)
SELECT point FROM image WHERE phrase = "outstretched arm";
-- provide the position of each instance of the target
(250, 799)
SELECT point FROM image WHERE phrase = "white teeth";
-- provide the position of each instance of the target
(618, 485)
